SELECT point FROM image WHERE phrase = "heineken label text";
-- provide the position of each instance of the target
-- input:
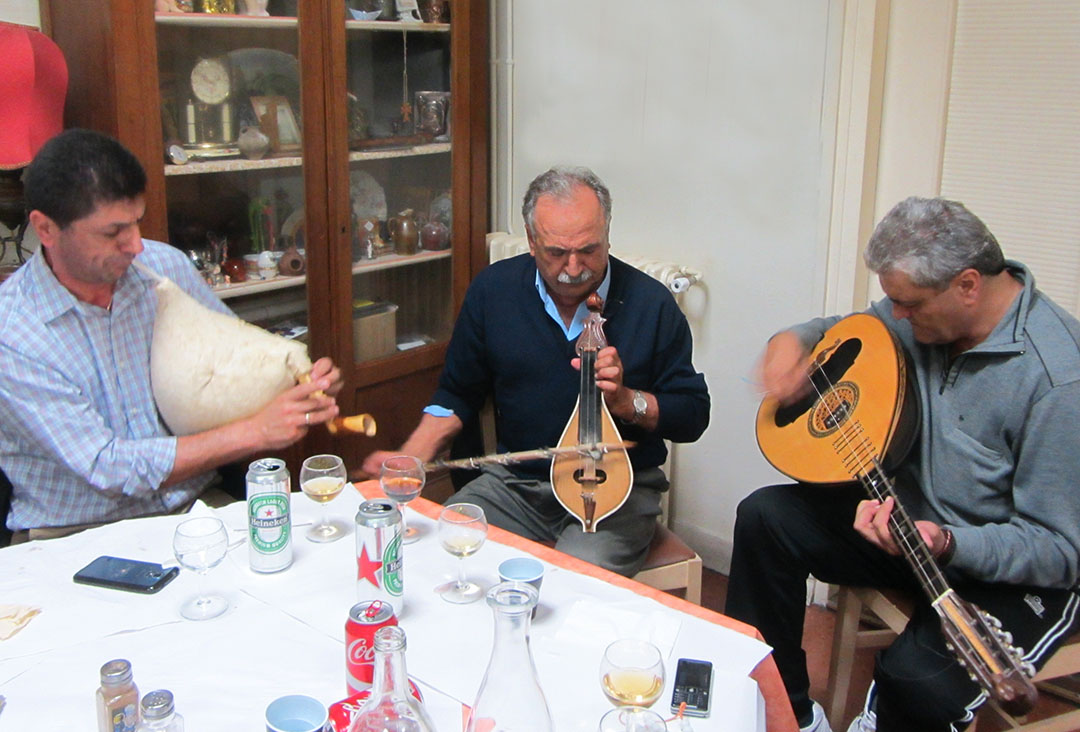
(393, 581)
(269, 522)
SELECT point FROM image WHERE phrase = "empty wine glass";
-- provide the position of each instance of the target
(462, 530)
(632, 719)
(199, 544)
(402, 478)
(632, 673)
(322, 477)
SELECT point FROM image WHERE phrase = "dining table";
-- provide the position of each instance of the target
(284, 632)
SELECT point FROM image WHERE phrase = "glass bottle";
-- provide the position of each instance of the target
(391, 708)
(510, 698)
(117, 698)
(159, 713)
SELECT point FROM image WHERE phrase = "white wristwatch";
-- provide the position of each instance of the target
(640, 406)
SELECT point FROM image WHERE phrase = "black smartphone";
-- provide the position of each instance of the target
(693, 685)
(126, 574)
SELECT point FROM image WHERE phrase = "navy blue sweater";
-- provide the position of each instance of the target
(505, 345)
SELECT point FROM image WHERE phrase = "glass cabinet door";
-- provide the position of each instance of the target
(232, 126)
(399, 103)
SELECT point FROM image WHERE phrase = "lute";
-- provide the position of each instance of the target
(593, 485)
(860, 417)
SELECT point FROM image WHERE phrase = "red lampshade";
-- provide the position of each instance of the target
(33, 85)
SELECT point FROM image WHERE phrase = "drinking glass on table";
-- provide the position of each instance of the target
(632, 719)
(322, 478)
(462, 530)
(632, 673)
(199, 544)
(402, 478)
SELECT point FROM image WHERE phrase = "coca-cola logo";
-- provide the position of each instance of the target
(359, 652)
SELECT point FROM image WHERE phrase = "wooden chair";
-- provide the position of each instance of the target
(671, 565)
(893, 610)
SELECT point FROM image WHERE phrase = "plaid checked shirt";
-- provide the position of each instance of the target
(80, 435)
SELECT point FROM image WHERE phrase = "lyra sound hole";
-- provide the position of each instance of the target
(833, 409)
(579, 475)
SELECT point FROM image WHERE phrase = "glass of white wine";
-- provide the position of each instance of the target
(462, 531)
(199, 545)
(322, 478)
(402, 478)
(632, 673)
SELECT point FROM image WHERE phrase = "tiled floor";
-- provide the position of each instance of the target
(817, 641)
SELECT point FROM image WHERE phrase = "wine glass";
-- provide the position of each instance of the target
(462, 530)
(322, 477)
(402, 478)
(199, 545)
(632, 719)
(632, 673)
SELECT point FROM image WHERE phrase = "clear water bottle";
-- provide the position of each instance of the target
(510, 698)
(159, 713)
(391, 708)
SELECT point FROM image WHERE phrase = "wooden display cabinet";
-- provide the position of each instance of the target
(344, 159)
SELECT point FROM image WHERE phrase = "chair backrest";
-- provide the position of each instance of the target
(5, 504)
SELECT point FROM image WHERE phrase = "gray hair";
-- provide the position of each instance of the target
(560, 182)
(932, 240)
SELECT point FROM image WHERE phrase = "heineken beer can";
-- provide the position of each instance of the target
(269, 524)
(379, 569)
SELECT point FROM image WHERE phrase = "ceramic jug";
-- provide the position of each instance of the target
(253, 143)
(434, 235)
(404, 232)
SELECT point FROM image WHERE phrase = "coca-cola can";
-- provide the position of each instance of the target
(364, 619)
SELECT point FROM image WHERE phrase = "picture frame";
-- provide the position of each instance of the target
(432, 113)
(277, 122)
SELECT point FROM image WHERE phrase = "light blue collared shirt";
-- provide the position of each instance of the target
(577, 324)
(79, 429)
(572, 331)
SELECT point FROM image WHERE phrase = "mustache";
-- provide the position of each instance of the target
(581, 279)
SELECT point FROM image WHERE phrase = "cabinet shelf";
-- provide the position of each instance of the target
(208, 20)
(232, 165)
(389, 261)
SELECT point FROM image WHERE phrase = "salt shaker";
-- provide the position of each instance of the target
(159, 713)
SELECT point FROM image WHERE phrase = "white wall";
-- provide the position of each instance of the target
(24, 12)
(705, 119)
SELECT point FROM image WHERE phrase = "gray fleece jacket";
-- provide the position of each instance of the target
(998, 458)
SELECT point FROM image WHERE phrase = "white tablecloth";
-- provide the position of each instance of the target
(284, 632)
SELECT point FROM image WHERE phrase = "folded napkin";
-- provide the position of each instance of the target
(593, 623)
(13, 618)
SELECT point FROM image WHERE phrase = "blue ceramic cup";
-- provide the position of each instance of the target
(522, 569)
(296, 713)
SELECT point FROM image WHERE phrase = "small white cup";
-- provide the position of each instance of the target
(296, 713)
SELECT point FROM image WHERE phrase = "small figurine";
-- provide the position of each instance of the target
(255, 7)
(173, 6)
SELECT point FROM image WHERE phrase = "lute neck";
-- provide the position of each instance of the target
(589, 408)
(879, 486)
